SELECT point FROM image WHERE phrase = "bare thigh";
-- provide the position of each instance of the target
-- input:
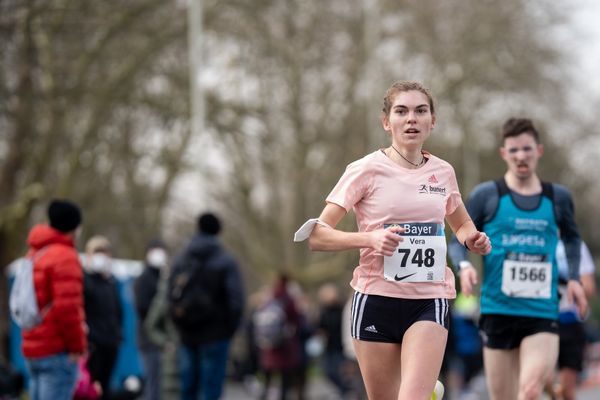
(422, 355)
(538, 357)
(380, 368)
(501, 373)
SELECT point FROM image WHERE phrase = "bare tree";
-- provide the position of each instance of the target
(301, 94)
(93, 107)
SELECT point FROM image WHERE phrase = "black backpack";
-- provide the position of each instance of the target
(193, 293)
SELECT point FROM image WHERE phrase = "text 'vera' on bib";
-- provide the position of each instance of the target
(420, 257)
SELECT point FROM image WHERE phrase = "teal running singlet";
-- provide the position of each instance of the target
(521, 274)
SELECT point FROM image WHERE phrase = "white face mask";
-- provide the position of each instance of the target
(157, 258)
(99, 262)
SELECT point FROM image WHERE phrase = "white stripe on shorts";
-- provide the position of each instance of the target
(358, 307)
(441, 310)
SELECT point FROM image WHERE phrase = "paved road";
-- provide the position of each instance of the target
(589, 393)
(319, 389)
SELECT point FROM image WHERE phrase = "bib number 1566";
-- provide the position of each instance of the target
(531, 274)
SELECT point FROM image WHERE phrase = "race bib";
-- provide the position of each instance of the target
(527, 275)
(421, 257)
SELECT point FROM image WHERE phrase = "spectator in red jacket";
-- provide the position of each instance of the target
(53, 347)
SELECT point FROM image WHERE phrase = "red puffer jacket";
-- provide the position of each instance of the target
(58, 281)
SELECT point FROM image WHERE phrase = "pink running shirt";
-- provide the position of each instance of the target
(383, 192)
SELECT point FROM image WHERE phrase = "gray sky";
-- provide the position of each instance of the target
(586, 42)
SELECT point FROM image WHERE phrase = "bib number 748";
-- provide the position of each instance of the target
(417, 260)
(421, 257)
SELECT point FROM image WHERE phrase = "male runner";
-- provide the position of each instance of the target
(523, 217)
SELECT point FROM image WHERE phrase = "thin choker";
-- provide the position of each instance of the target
(408, 161)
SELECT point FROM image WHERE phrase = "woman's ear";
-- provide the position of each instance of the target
(385, 122)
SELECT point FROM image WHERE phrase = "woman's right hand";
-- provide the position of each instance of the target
(385, 241)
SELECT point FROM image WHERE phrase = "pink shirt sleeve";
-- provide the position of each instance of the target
(454, 198)
(352, 186)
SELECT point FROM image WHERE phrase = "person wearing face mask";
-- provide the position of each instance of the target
(145, 289)
(103, 312)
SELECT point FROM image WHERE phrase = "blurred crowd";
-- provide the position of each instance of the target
(197, 329)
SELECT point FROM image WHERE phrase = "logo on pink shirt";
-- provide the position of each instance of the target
(429, 189)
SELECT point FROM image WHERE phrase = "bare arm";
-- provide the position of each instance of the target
(589, 285)
(465, 231)
(323, 238)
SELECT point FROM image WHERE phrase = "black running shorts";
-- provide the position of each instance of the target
(572, 346)
(505, 332)
(386, 319)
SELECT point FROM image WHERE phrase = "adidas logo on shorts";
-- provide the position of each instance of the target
(371, 329)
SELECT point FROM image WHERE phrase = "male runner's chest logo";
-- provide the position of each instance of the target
(432, 187)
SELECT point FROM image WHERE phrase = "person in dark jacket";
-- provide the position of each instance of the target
(103, 312)
(145, 289)
(53, 348)
(209, 275)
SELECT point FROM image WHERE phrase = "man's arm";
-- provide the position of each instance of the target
(481, 205)
(565, 216)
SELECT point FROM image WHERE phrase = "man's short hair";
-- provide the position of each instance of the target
(209, 224)
(518, 126)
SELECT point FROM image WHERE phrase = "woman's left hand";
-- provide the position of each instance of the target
(479, 243)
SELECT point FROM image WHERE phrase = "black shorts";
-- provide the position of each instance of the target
(572, 346)
(386, 319)
(506, 332)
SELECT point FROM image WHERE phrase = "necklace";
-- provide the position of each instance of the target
(408, 161)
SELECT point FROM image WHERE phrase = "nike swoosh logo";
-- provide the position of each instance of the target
(399, 278)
